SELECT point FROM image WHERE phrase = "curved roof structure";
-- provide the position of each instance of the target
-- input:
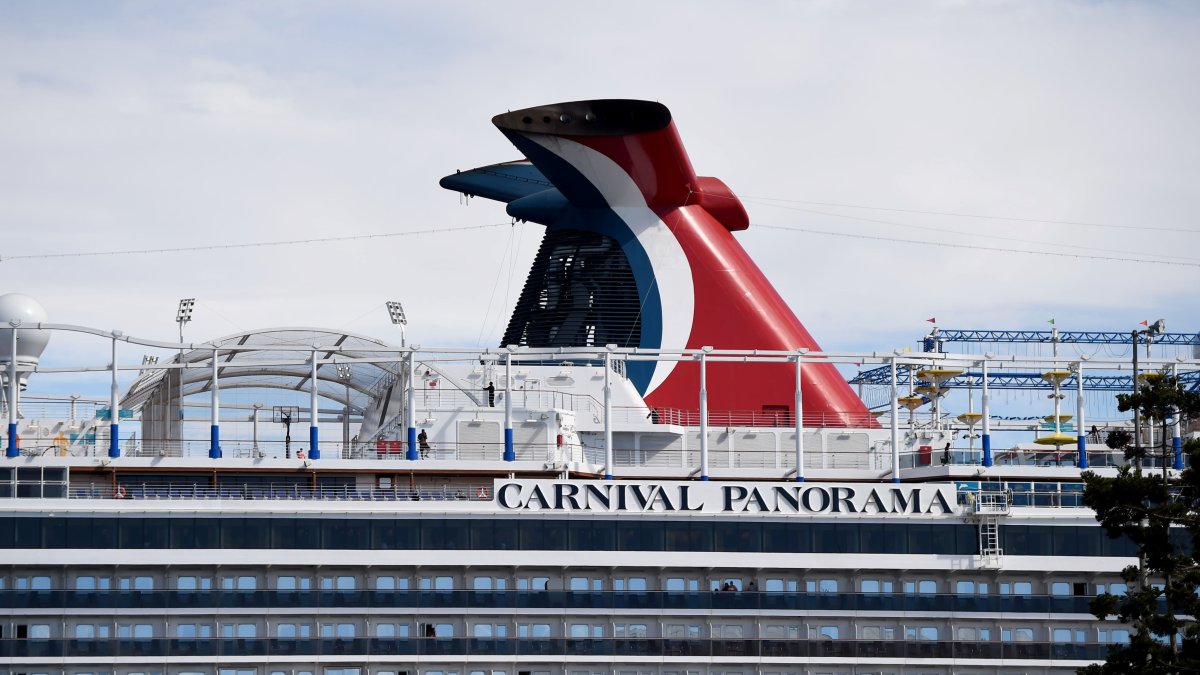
(249, 366)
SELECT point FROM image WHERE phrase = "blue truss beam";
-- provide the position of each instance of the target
(1083, 337)
(1006, 380)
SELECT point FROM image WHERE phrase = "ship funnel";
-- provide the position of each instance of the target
(24, 312)
(639, 252)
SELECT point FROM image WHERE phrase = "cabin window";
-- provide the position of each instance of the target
(876, 586)
(488, 583)
(489, 630)
(142, 583)
(823, 632)
(1016, 634)
(630, 584)
(1016, 588)
(293, 631)
(920, 587)
(392, 583)
(293, 583)
(821, 586)
(781, 586)
(339, 583)
(877, 632)
(683, 585)
(342, 631)
(533, 630)
(920, 633)
(630, 630)
(239, 630)
(193, 631)
(192, 583)
(240, 583)
(783, 632)
(135, 631)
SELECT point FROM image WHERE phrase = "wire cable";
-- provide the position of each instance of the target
(972, 234)
(257, 244)
(981, 217)
(976, 247)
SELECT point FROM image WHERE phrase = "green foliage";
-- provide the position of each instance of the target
(1162, 604)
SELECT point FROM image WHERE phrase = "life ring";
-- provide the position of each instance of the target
(120, 492)
(482, 493)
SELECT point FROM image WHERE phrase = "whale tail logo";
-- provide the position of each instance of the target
(639, 252)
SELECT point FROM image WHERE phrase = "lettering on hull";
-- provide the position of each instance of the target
(731, 498)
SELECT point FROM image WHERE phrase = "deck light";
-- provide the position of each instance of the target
(182, 316)
(396, 313)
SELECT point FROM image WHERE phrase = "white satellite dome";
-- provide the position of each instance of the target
(30, 342)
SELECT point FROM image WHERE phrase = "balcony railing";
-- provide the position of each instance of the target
(618, 647)
(565, 600)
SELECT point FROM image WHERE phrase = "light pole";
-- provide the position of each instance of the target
(396, 313)
(254, 419)
(1150, 331)
(182, 316)
(344, 373)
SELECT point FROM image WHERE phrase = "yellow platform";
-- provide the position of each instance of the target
(1056, 376)
(1056, 440)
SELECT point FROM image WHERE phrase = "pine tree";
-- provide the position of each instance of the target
(1160, 514)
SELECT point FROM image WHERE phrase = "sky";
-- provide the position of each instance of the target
(144, 125)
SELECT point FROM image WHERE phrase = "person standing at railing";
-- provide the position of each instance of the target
(491, 392)
(423, 443)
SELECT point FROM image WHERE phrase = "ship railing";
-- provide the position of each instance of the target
(745, 418)
(996, 498)
(720, 456)
(450, 398)
(393, 492)
(545, 599)
(365, 647)
(930, 456)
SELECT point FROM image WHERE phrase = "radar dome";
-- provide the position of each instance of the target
(17, 307)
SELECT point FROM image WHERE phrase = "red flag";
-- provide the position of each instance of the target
(1146, 323)
(933, 320)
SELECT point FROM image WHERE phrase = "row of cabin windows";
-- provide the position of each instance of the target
(301, 630)
(346, 582)
(355, 670)
(338, 670)
(541, 534)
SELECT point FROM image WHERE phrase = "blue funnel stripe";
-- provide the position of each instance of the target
(598, 217)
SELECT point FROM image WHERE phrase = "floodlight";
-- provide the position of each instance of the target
(184, 314)
(343, 370)
(148, 360)
(396, 312)
(1157, 327)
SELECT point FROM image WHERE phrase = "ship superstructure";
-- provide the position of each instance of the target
(659, 472)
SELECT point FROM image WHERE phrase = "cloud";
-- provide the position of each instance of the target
(143, 127)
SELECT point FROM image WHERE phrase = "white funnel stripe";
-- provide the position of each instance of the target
(669, 264)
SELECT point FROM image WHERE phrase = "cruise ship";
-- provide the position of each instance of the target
(657, 472)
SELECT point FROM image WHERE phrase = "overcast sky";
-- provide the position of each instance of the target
(156, 125)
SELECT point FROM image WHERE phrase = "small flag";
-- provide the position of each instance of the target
(1146, 323)
(933, 320)
(1051, 322)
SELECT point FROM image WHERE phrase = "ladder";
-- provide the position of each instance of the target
(990, 553)
(986, 509)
